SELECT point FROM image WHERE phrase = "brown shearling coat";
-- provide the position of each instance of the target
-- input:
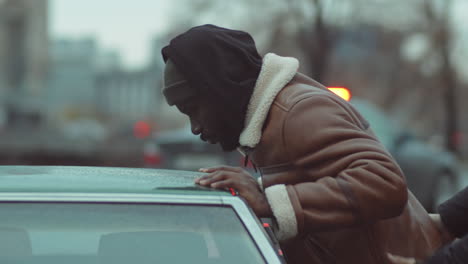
(349, 197)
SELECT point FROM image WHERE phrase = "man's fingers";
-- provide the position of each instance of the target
(212, 177)
(206, 177)
(229, 183)
(218, 168)
(400, 260)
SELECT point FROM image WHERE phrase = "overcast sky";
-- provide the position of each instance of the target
(127, 26)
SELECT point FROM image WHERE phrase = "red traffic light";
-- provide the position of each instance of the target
(141, 130)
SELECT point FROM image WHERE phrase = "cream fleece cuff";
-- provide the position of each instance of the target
(282, 208)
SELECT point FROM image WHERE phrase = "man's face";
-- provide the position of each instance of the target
(205, 122)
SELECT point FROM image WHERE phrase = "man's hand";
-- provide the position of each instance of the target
(400, 260)
(446, 235)
(225, 177)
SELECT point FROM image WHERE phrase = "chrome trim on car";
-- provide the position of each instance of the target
(254, 227)
(109, 198)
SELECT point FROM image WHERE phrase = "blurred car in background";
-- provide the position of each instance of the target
(432, 174)
(182, 150)
(57, 214)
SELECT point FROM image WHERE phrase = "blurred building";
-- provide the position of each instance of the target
(23, 59)
(128, 95)
(72, 78)
(88, 83)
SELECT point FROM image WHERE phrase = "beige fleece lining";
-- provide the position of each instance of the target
(276, 72)
(282, 208)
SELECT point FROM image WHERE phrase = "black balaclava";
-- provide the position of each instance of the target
(220, 64)
(176, 88)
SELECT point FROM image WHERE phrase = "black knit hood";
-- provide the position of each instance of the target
(221, 63)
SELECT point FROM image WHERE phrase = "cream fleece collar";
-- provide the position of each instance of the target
(276, 72)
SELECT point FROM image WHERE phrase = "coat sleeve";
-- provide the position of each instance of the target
(453, 253)
(454, 213)
(347, 176)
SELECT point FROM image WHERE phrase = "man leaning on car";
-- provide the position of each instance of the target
(335, 192)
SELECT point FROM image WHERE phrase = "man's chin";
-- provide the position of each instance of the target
(228, 147)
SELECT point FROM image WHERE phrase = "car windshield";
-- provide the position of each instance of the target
(123, 233)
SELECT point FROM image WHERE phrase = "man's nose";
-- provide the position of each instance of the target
(196, 128)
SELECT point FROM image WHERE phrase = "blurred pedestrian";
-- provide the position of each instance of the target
(452, 219)
(335, 194)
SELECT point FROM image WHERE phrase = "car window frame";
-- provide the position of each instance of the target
(250, 222)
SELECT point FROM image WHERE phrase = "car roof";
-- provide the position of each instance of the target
(82, 179)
